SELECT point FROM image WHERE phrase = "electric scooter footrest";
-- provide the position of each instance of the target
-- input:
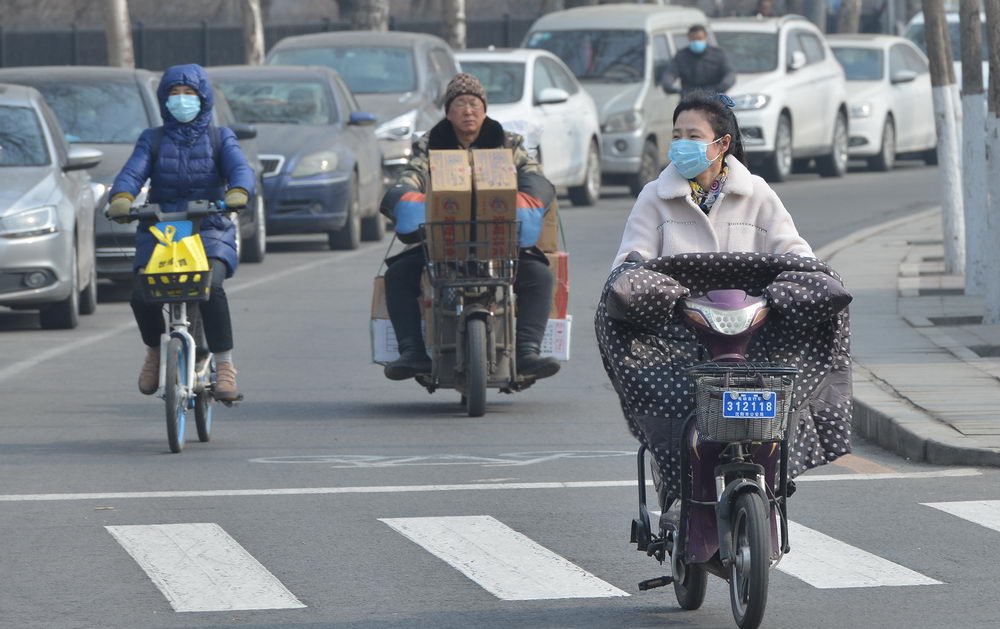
(658, 582)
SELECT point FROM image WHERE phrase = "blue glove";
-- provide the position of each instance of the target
(410, 212)
(531, 214)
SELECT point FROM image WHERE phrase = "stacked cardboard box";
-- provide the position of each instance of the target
(494, 179)
(385, 347)
(449, 200)
(557, 332)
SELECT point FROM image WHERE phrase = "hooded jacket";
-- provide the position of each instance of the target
(185, 169)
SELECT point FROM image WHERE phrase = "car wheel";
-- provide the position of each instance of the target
(778, 165)
(649, 168)
(373, 227)
(835, 164)
(348, 236)
(255, 247)
(65, 314)
(589, 192)
(886, 158)
(88, 296)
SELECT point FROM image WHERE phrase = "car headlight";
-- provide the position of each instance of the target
(623, 121)
(316, 164)
(861, 110)
(747, 102)
(399, 128)
(36, 222)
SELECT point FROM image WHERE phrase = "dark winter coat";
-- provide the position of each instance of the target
(185, 169)
(647, 349)
(708, 71)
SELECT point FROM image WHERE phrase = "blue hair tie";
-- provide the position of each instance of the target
(725, 100)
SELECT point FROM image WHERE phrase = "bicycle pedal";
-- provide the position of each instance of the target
(658, 582)
(231, 402)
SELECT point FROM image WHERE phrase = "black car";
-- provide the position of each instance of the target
(107, 108)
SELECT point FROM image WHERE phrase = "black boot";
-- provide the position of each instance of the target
(412, 360)
(530, 363)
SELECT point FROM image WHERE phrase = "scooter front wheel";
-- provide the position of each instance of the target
(475, 367)
(751, 560)
(690, 583)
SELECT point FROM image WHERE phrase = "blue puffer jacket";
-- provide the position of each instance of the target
(184, 169)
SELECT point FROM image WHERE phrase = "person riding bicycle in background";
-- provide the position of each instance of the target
(466, 126)
(187, 159)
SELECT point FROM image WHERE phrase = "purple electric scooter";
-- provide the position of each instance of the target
(734, 465)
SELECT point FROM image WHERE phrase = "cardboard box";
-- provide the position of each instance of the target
(449, 199)
(555, 343)
(559, 266)
(549, 240)
(385, 347)
(494, 178)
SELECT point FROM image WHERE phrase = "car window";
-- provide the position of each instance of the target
(292, 102)
(812, 46)
(105, 113)
(915, 61)
(503, 80)
(542, 79)
(58, 139)
(750, 52)
(860, 64)
(897, 60)
(915, 33)
(661, 54)
(680, 40)
(561, 77)
(609, 56)
(444, 63)
(365, 69)
(346, 96)
(22, 142)
(793, 44)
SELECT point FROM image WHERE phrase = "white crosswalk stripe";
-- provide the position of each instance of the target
(502, 561)
(200, 568)
(982, 512)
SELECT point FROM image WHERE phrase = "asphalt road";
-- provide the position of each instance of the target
(340, 499)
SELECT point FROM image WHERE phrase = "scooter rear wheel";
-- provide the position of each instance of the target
(751, 560)
(690, 583)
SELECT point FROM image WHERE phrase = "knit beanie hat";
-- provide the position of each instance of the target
(464, 84)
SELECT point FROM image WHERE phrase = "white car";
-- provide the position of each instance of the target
(533, 88)
(915, 33)
(790, 94)
(889, 93)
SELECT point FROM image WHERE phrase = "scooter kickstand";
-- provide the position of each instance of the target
(658, 582)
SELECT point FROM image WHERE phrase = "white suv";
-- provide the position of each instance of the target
(790, 94)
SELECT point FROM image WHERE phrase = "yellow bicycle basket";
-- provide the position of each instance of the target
(178, 270)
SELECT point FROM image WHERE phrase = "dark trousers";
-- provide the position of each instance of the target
(533, 285)
(214, 313)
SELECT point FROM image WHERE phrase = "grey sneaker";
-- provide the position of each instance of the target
(149, 375)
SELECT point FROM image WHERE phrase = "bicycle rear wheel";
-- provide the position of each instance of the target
(174, 398)
(203, 410)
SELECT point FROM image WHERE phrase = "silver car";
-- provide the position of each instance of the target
(46, 213)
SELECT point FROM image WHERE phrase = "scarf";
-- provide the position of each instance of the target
(705, 199)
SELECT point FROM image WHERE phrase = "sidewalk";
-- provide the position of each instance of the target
(927, 372)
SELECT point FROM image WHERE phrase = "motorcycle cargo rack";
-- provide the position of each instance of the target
(470, 253)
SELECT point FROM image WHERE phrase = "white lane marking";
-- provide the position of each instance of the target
(396, 489)
(955, 473)
(827, 563)
(504, 562)
(97, 337)
(200, 568)
(982, 512)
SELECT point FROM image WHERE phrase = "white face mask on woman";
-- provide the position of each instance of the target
(690, 157)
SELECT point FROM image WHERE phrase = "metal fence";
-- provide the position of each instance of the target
(158, 47)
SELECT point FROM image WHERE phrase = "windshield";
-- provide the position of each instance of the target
(603, 55)
(860, 64)
(290, 102)
(21, 139)
(367, 70)
(105, 113)
(916, 35)
(504, 81)
(750, 52)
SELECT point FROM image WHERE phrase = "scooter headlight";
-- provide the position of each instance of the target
(732, 322)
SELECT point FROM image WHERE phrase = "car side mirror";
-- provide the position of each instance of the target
(904, 76)
(82, 158)
(361, 119)
(553, 96)
(797, 61)
(244, 131)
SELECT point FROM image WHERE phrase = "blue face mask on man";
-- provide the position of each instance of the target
(698, 46)
(184, 107)
(690, 157)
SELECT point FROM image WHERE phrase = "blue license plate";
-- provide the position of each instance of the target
(749, 404)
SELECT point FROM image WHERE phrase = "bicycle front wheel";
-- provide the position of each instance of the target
(751, 561)
(175, 399)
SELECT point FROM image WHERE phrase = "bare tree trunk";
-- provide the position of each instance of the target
(816, 12)
(992, 314)
(952, 218)
(849, 18)
(549, 6)
(453, 12)
(974, 151)
(118, 32)
(370, 15)
(253, 32)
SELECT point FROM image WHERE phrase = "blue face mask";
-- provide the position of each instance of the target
(184, 107)
(698, 46)
(690, 157)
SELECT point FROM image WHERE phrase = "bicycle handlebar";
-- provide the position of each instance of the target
(151, 213)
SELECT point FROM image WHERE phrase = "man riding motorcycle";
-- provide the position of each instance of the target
(467, 127)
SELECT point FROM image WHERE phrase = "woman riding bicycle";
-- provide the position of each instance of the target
(187, 159)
